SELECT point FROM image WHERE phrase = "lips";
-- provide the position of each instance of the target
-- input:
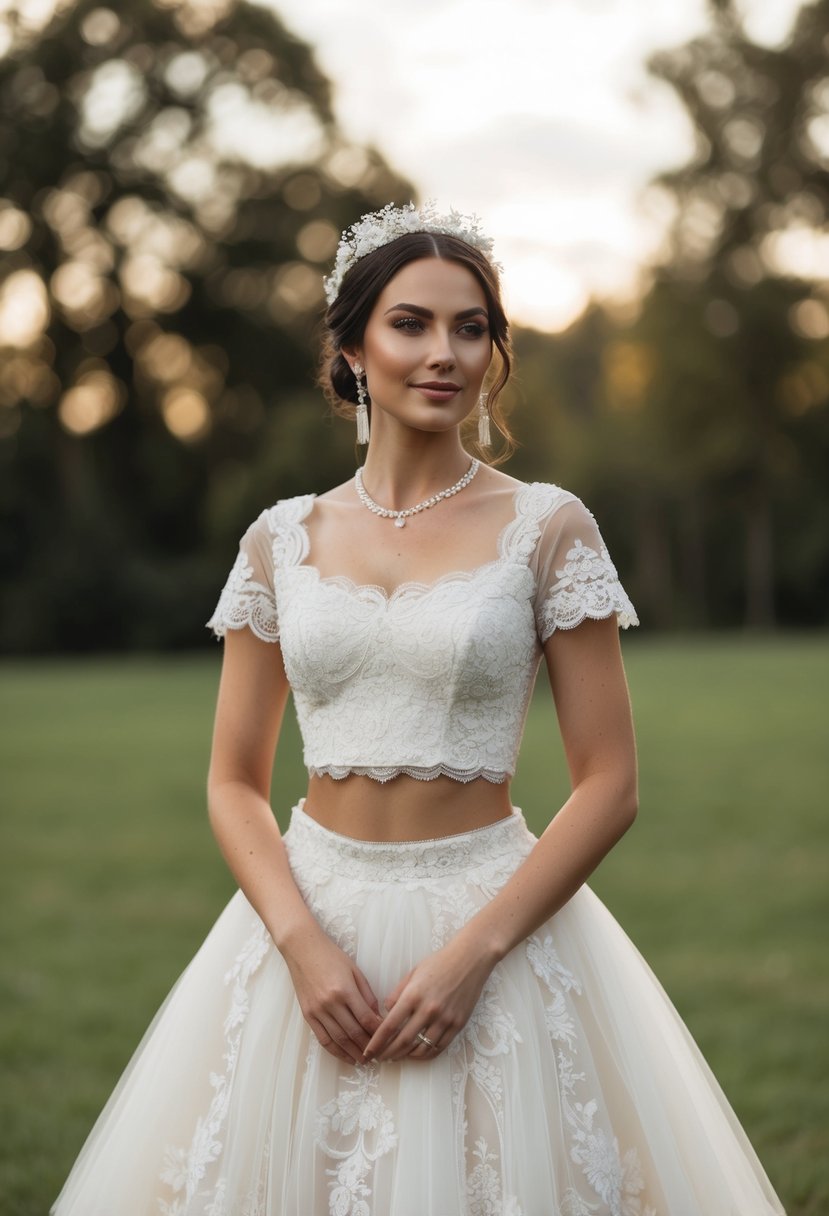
(438, 390)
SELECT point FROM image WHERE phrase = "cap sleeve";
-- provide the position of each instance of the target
(248, 598)
(575, 578)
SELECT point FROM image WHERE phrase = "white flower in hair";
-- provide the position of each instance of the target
(379, 228)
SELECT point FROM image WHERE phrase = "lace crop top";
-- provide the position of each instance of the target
(432, 679)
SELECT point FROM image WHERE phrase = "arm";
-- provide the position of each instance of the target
(591, 697)
(334, 996)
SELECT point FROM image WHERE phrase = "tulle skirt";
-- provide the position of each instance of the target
(574, 1090)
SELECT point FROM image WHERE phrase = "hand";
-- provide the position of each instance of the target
(435, 999)
(335, 997)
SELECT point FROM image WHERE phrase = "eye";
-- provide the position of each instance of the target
(408, 325)
(473, 329)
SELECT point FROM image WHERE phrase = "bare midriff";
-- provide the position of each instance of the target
(405, 808)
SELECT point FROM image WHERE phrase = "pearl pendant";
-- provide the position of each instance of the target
(400, 522)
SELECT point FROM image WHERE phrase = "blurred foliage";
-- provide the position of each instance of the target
(172, 186)
(700, 430)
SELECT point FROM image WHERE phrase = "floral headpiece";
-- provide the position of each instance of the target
(379, 228)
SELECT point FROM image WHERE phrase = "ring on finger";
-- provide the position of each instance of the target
(423, 1039)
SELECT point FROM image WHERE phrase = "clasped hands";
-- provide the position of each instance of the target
(434, 1001)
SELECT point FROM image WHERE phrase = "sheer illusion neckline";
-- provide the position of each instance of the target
(410, 586)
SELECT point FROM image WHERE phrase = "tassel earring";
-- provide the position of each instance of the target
(484, 436)
(362, 404)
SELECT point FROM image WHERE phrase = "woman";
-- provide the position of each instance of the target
(412, 1007)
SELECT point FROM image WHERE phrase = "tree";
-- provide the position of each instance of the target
(744, 273)
(172, 185)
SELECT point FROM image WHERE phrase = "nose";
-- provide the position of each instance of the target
(442, 354)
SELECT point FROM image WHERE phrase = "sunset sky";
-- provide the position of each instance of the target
(536, 114)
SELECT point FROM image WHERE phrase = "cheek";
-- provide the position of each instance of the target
(389, 364)
(388, 357)
(478, 361)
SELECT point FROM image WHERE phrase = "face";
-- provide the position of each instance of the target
(427, 345)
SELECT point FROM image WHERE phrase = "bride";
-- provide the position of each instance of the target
(412, 1006)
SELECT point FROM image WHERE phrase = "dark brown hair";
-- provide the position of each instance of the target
(347, 317)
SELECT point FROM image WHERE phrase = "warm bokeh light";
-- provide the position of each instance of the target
(85, 297)
(166, 358)
(100, 27)
(15, 227)
(804, 388)
(317, 241)
(115, 96)
(296, 289)
(810, 319)
(24, 308)
(93, 401)
(798, 250)
(150, 287)
(186, 413)
(282, 131)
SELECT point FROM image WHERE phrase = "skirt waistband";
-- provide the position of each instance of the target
(407, 859)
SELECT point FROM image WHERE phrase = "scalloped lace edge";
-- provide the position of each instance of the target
(420, 773)
(219, 626)
(625, 617)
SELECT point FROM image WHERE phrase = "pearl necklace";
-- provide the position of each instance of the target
(400, 517)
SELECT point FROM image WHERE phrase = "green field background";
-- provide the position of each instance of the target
(110, 878)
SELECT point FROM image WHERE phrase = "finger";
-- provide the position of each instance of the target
(326, 1042)
(407, 1042)
(377, 1047)
(419, 1051)
(356, 1033)
(394, 996)
(403, 1044)
(368, 1014)
(336, 1031)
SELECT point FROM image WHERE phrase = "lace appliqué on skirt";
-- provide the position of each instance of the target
(615, 1178)
(185, 1169)
(573, 1089)
(355, 1129)
(457, 875)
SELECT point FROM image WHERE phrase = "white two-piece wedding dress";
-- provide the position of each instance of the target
(574, 1089)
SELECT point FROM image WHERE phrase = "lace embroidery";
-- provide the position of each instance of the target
(615, 1178)
(245, 602)
(290, 537)
(340, 772)
(480, 860)
(483, 1186)
(431, 679)
(488, 852)
(588, 586)
(341, 640)
(478, 863)
(185, 1169)
(356, 1128)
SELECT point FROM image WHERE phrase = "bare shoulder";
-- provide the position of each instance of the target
(340, 504)
(495, 480)
(344, 492)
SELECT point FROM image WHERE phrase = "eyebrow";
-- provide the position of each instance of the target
(429, 315)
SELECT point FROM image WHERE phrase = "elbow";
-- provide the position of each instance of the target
(222, 795)
(212, 794)
(628, 805)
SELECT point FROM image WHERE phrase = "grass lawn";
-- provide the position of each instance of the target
(110, 879)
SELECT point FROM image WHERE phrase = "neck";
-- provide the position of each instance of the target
(403, 469)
